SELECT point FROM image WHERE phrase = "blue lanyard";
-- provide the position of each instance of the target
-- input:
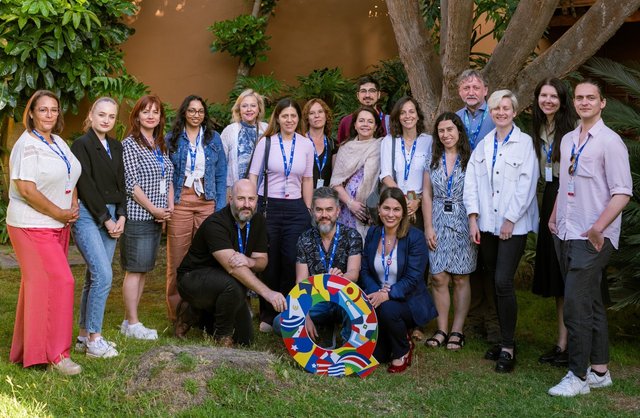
(287, 168)
(547, 151)
(193, 153)
(577, 156)
(386, 264)
(449, 178)
(158, 154)
(495, 147)
(107, 148)
(467, 124)
(407, 164)
(315, 153)
(242, 243)
(59, 153)
(323, 255)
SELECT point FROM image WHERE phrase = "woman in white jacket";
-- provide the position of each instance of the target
(239, 138)
(500, 198)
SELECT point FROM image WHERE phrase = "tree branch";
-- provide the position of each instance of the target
(417, 54)
(525, 29)
(578, 44)
(455, 58)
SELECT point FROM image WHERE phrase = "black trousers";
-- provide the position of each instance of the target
(500, 259)
(216, 301)
(395, 321)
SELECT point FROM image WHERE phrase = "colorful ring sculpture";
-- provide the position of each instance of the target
(356, 355)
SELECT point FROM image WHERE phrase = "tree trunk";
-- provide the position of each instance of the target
(245, 69)
(418, 54)
(455, 47)
(577, 45)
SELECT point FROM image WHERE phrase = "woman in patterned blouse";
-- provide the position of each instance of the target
(148, 181)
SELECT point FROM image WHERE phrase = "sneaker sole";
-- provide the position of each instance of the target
(104, 355)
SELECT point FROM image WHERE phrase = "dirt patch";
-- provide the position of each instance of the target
(177, 376)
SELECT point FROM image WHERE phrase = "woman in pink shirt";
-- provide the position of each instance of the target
(285, 188)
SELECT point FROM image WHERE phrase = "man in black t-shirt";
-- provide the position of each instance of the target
(229, 248)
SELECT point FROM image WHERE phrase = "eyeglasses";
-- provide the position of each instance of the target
(370, 91)
(44, 110)
(193, 112)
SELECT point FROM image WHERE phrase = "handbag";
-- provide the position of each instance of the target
(374, 197)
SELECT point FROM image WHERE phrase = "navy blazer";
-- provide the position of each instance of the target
(413, 257)
(102, 178)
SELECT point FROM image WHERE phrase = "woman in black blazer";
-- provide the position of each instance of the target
(101, 192)
(394, 260)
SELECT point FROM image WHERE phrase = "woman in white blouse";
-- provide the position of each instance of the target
(412, 152)
(500, 198)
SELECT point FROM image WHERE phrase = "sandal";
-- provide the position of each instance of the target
(433, 342)
(458, 344)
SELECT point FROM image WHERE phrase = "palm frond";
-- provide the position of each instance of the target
(615, 74)
(621, 116)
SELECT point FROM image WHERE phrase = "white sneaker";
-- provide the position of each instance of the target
(569, 386)
(141, 332)
(66, 366)
(123, 327)
(596, 381)
(100, 348)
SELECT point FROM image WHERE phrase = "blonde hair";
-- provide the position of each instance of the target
(87, 122)
(496, 96)
(235, 110)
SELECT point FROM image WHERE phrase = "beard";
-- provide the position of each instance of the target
(325, 228)
(239, 214)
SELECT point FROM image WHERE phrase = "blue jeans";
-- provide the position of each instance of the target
(97, 248)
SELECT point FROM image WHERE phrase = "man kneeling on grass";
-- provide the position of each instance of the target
(229, 248)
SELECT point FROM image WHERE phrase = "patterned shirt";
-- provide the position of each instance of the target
(349, 243)
(143, 169)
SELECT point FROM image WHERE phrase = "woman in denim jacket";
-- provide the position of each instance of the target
(199, 178)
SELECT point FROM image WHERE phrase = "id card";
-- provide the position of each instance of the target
(571, 187)
(163, 187)
(548, 173)
(448, 206)
(67, 187)
(319, 183)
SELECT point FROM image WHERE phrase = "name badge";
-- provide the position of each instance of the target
(67, 187)
(319, 183)
(571, 187)
(548, 173)
(448, 206)
(163, 187)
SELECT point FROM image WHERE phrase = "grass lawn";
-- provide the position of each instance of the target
(440, 383)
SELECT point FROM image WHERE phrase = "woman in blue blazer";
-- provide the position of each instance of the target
(392, 275)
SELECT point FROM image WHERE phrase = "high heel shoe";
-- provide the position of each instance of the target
(406, 361)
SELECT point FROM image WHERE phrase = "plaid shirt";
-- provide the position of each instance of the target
(141, 168)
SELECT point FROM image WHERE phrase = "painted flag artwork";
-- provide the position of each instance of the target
(356, 355)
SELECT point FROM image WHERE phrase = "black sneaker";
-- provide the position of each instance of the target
(550, 355)
(562, 359)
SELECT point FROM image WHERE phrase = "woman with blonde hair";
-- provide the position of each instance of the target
(240, 137)
(102, 198)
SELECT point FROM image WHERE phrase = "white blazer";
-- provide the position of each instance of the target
(511, 192)
(229, 137)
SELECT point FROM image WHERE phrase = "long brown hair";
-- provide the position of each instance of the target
(27, 120)
(377, 133)
(134, 122)
(462, 146)
(274, 125)
(396, 194)
(327, 112)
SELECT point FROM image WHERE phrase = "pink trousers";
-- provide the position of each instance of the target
(44, 316)
(187, 217)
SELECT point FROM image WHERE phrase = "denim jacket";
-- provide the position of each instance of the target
(215, 170)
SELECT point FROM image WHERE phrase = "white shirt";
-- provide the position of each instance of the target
(229, 137)
(508, 194)
(33, 160)
(420, 157)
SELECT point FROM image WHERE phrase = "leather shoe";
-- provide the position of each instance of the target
(550, 355)
(493, 353)
(561, 360)
(505, 363)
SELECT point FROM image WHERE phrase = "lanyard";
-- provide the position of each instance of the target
(315, 153)
(59, 153)
(323, 255)
(287, 168)
(158, 154)
(242, 243)
(495, 147)
(547, 151)
(449, 178)
(107, 148)
(386, 264)
(407, 164)
(574, 166)
(467, 124)
(193, 152)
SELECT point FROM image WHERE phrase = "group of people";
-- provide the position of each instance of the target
(263, 206)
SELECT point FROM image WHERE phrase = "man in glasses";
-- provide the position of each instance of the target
(595, 185)
(368, 95)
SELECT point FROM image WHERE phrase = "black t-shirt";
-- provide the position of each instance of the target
(219, 232)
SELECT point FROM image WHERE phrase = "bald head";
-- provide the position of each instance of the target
(244, 199)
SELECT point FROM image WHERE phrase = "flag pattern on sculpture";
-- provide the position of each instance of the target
(356, 355)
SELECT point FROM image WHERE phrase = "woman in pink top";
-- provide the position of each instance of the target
(285, 187)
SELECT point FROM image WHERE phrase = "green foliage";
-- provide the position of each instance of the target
(393, 81)
(243, 37)
(329, 85)
(46, 44)
(267, 85)
(4, 234)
